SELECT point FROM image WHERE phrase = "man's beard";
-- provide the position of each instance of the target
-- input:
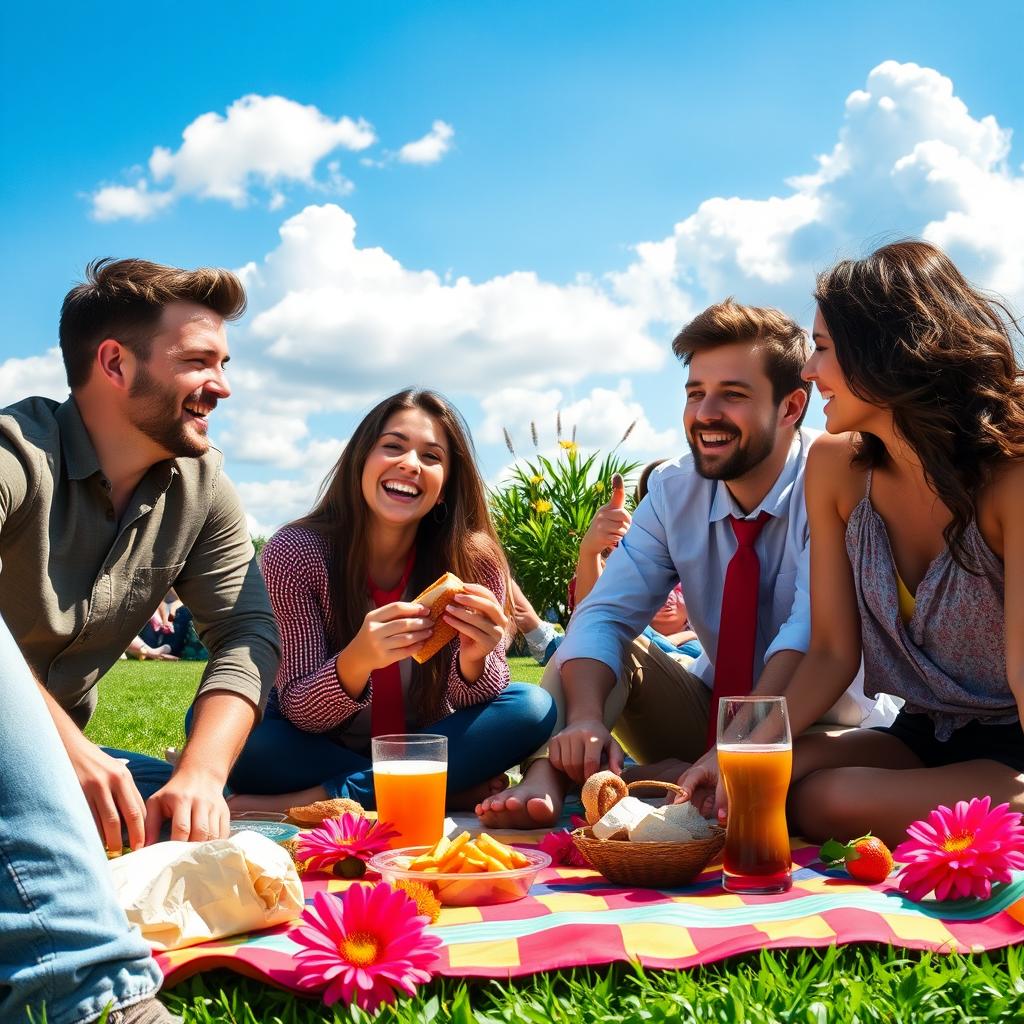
(745, 457)
(159, 415)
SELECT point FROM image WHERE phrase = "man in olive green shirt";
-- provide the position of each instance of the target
(109, 499)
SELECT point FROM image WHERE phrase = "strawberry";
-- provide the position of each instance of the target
(866, 859)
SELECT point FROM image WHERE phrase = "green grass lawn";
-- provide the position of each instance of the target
(142, 707)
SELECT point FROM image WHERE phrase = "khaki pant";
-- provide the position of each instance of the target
(657, 709)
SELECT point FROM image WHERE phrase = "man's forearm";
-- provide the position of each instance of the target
(220, 726)
(586, 684)
(70, 734)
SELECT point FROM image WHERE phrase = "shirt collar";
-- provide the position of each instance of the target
(775, 502)
(80, 457)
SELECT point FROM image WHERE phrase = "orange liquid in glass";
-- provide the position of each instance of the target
(410, 795)
(757, 855)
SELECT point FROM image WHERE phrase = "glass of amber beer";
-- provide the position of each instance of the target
(410, 772)
(755, 757)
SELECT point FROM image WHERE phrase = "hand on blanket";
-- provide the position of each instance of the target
(702, 785)
(193, 802)
(111, 794)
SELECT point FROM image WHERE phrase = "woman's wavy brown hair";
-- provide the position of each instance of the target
(912, 336)
(460, 541)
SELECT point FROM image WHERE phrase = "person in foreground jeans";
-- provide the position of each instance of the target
(65, 944)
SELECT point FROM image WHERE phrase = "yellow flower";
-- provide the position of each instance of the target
(426, 902)
(536, 479)
(571, 447)
(599, 487)
(542, 506)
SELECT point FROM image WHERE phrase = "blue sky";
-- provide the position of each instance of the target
(578, 132)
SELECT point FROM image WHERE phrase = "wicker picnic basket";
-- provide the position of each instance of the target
(649, 865)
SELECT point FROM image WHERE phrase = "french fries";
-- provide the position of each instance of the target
(463, 856)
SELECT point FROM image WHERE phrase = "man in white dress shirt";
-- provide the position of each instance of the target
(745, 401)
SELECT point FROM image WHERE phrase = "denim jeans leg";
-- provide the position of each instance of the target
(279, 757)
(486, 739)
(64, 942)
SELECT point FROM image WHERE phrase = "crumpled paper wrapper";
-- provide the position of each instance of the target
(180, 894)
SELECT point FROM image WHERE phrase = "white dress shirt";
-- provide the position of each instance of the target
(681, 534)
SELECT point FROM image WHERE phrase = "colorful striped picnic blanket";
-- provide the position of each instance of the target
(573, 917)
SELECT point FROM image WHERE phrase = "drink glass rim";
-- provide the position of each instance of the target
(413, 737)
(755, 698)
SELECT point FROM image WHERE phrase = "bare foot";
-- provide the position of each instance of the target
(468, 799)
(535, 803)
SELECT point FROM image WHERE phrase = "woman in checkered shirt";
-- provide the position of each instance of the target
(404, 504)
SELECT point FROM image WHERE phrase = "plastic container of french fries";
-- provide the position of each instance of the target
(464, 872)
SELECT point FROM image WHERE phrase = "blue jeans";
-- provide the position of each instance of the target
(483, 741)
(64, 942)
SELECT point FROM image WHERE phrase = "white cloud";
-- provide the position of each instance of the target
(34, 375)
(430, 148)
(910, 159)
(600, 419)
(331, 315)
(260, 141)
(137, 202)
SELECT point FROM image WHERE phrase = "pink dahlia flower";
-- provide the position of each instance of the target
(351, 835)
(363, 945)
(961, 852)
(562, 850)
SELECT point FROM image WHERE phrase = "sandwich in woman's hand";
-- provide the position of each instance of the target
(437, 597)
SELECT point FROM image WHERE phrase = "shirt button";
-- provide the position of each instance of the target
(110, 513)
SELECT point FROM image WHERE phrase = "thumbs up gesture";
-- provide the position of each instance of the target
(610, 523)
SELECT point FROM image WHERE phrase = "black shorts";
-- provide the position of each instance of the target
(975, 741)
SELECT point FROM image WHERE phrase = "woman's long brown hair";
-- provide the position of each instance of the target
(912, 336)
(461, 541)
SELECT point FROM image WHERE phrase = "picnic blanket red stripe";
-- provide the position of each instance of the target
(573, 917)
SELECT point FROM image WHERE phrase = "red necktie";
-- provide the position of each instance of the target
(387, 709)
(737, 627)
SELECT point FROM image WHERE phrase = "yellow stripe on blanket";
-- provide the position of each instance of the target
(915, 928)
(667, 941)
(499, 953)
(812, 927)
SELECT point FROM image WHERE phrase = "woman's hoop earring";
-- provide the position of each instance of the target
(440, 512)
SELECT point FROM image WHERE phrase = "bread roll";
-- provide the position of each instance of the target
(319, 811)
(600, 793)
(437, 597)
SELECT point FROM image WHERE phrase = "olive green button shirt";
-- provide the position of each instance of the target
(76, 585)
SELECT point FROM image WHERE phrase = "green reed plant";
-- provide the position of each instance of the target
(542, 511)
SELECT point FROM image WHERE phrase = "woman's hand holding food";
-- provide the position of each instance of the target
(481, 624)
(388, 634)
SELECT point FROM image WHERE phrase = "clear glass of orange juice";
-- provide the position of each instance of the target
(410, 772)
(755, 758)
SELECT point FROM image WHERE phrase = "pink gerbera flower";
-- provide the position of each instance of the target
(961, 852)
(363, 945)
(351, 835)
(562, 850)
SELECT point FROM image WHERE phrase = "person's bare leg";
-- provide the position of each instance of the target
(871, 782)
(277, 803)
(535, 803)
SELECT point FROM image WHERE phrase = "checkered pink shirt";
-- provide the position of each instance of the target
(295, 565)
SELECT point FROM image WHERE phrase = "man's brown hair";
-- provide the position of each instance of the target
(124, 300)
(782, 341)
